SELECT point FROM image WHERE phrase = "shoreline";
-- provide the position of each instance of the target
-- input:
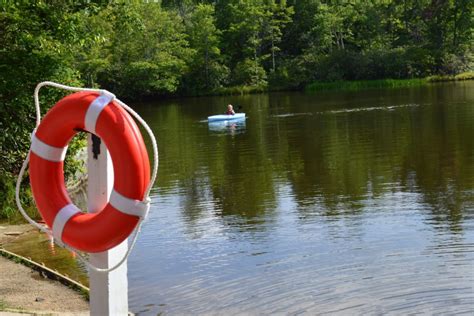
(29, 287)
(46, 272)
(321, 86)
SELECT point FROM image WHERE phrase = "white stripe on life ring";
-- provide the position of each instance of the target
(47, 152)
(61, 219)
(94, 110)
(128, 206)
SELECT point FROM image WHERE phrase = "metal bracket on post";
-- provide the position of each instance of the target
(96, 141)
(108, 291)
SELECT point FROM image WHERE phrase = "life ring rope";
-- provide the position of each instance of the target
(48, 152)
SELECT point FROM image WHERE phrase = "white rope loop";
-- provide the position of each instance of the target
(139, 208)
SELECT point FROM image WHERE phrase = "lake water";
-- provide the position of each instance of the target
(330, 203)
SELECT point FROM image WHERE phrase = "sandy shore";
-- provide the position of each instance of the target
(23, 290)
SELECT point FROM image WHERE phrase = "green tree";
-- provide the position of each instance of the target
(297, 35)
(207, 70)
(38, 41)
(279, 16)
(95, 53)
(150, 53)
(245, 38)
(462, 25)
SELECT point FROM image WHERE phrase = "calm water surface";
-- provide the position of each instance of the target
(334, 203)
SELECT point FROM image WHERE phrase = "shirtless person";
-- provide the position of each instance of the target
(230, 110)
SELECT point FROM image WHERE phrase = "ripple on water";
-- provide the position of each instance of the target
(303, 273)
(371, 108)
(292, 114)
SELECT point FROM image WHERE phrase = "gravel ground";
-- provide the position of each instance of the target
(25, 291)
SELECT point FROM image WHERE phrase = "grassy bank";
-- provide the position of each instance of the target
(364, 84)
(384, 83)
(342, 85)
(469, 75)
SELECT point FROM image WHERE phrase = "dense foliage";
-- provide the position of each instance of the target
(141, 49)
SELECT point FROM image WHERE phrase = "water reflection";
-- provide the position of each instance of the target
(233, 127)
(364, 204)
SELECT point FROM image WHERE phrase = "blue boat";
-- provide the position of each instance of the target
(226, 117)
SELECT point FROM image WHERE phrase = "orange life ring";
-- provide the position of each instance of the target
(100, 115)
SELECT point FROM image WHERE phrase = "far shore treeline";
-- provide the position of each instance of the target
(144, 49)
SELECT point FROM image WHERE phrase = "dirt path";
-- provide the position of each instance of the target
(25, 290)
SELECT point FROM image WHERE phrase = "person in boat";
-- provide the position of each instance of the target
(230, 110)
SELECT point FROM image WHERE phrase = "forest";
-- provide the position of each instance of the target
(150, 49)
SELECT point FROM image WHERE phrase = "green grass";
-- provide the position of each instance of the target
(8, 210)
(440, 78)
(363, 84)
(343, 85)
(468, 75)
(3, 305)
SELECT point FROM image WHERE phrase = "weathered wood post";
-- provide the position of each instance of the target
(108, 291)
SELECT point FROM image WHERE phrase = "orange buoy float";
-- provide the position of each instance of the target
(99, 114)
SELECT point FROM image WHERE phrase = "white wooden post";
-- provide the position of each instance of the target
(108, 291)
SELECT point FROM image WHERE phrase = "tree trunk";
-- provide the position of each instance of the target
(455, 26)
(273, 54)
(206, 63)
(256, 64)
